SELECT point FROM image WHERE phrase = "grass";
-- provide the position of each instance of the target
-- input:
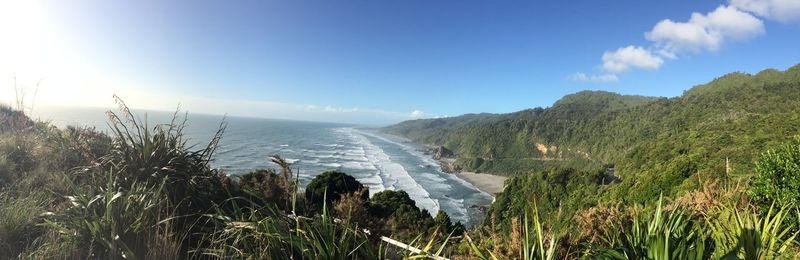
(747, 235)
(19, 216)
(658, 234)
(534, 245)
(142, 193)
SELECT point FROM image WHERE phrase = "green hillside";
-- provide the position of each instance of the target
(656, 146)
(730, 117)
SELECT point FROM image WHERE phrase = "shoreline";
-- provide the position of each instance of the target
(489, 183)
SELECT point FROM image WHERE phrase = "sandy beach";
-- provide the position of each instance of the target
(491, 184)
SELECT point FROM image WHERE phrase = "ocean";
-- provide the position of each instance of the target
(377, 160)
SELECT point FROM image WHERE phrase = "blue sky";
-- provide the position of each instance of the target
(378, 62)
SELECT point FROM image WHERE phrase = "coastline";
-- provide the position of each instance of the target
(488, 183)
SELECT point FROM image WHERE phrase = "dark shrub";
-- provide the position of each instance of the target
(446, 226)
(266, 186)
(384, 203)
(332, 185)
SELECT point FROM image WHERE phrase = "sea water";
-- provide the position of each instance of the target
(379, 161)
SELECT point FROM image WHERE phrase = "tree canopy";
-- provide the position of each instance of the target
(331, 185)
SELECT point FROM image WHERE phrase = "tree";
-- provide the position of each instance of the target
(386, 202)
(778, 179)
(332, 185)
(442, 220)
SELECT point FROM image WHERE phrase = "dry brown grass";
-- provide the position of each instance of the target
(595, 223)
(13, 120)
(711, 197)
(516, 237)
(352, 207)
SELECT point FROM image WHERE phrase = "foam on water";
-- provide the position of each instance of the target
(436, 182)
(393, 174)
(292, 161)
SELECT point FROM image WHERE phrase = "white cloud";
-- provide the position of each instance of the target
(330, 108)
(417, 114)
(593, 78)
(339, 109)
(626, 58)
(704, 32)
(779, 10)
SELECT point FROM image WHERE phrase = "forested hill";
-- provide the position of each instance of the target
(733, 116)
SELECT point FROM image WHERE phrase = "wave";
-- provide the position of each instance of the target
(229, 149)
(439, 182)
(329, 145)
(332, 165)
(393, 174)
(292, 161)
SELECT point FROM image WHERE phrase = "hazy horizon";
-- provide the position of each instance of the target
(379, 63)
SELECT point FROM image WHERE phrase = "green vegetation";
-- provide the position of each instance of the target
(142, 193)
(713, 174)
(654, 146)
(778, 181)
(734, 117)
(594, 159)
(329, 187)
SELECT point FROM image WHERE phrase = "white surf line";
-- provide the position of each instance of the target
(395, 171)
(428, 159)
(458, 207)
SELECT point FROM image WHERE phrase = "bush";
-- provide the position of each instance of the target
(265, 186)
(117, 222)
(400, 213)
(72, 147)
(778, 178)
(329, 187)
(13, 120)
(383, 204)
(353, 207)
(160, 154)
(446, 225)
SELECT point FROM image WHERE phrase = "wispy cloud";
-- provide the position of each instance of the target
(582, 77)
(331, 109)
(778, 10)
(417, 114)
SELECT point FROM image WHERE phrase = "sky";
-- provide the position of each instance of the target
(378, 62)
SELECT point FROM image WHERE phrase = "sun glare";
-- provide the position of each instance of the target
(36, 59)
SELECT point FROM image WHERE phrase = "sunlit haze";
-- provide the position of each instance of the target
(376, 62)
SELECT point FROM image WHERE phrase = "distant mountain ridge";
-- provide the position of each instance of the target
(730, 118)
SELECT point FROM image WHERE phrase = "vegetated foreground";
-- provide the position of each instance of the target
(141, 193)
(589, 161)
